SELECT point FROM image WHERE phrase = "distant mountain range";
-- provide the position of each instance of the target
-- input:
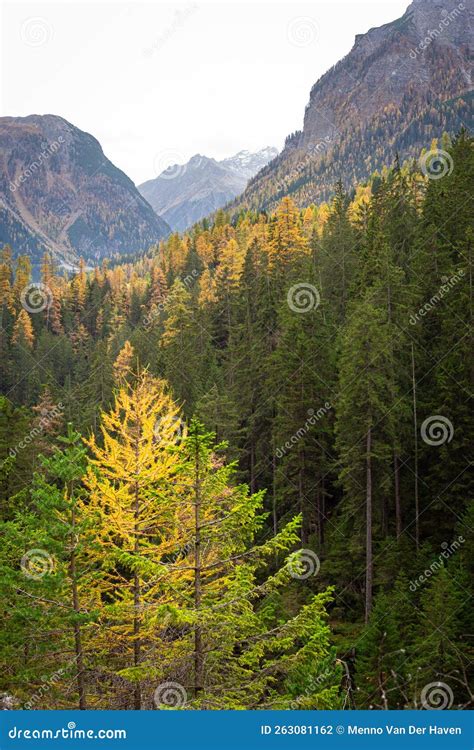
(59, 192)
(399, 87)
(185, 193)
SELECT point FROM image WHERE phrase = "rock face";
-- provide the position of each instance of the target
(58, 192)
(184, 194)
(400, 86)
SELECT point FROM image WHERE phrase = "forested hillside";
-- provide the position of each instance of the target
(59, 193)
(400, 85)
(235, 473)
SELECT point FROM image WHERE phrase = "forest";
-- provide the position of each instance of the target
(235, 471)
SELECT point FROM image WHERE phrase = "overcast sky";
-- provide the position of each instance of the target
(158, 82)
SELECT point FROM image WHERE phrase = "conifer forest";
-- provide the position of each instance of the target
(235, 468)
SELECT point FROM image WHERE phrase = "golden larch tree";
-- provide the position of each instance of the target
(131, 490)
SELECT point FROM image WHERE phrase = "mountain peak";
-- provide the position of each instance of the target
(61, 194)
(248, 164)
(388, 95)
(185, 194)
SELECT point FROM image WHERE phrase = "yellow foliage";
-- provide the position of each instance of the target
(23, 330)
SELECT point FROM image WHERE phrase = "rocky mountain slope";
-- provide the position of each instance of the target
(59, 192)
(400, 86)
(184, 194)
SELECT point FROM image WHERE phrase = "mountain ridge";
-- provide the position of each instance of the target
(60, 193)
(186, 193)
(394, 91)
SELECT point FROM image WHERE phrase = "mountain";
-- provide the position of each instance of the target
(184, 194)
(58, 192)
(247, 164)
(399, 87)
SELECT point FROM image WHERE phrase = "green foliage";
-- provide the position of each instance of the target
(324, 413)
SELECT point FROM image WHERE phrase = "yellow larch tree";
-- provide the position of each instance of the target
(124, 364)
(231, 261)
(207, 289)
(205, 249)
(131, 492)
(78, 287)
(287, 240)
(158, 287)
(6, 294)
(23, 334)
(310, 215)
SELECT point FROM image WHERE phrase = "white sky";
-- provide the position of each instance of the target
(158, 82)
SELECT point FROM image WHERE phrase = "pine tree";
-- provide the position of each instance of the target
(438, 653)
(52, 311)
(383, 652)
(363, 436)
(22, 277)
(185, 356)
(48, 420)
(236, 650)
(302, 374)
(51, 593)
(336, 253)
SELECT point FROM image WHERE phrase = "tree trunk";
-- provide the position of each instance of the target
(318, 513)
(323, 509)
(368, 541)
(304, 535)
(398, 511)
(274, 508)
(137, 697)
(198, 645)
(252, 466)
(415, 428)
(78, 650)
